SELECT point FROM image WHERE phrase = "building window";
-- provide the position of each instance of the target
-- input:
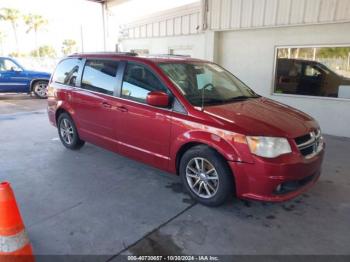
(313, 71)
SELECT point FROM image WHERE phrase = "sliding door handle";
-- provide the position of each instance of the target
(106, 105)
(122, 108)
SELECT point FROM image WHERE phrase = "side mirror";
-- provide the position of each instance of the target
(158, 99)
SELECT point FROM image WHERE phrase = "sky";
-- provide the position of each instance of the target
(76, 19)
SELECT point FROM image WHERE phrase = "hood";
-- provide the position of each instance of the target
(264, 117)
(38, 74)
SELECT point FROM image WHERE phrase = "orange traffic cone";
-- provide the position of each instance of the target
(14, 242)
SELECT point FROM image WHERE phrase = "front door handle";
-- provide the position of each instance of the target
(106, 105)
(122, 108)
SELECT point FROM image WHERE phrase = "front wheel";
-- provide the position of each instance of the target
(206, 176)
(40, 89)
(68, 133)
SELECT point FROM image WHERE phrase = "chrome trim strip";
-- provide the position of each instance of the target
(307, 143)
(315, 141)
(12, 84)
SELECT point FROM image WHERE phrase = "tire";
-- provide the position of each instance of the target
(40, 89)
(219, 181)
(68, 133)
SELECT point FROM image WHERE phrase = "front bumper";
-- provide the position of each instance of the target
(260, 180)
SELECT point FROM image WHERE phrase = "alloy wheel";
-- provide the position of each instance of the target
(66, 131)
(202, 177)
(41, 89)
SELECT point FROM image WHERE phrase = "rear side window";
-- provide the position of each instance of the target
(138, 82)
(100, 76)
(66, 72)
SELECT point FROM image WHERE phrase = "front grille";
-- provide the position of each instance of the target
(310, 144)
(302, 139)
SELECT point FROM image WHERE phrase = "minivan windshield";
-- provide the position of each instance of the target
(205, 84)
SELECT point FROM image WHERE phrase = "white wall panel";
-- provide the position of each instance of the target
(258, 13)
(149, 30)
(194, 21)
(185, 24)
(297, 12)
(236, 14)
(190, 44)
(131, 32)
(170, 27)
(177, 26)
(162, 27)
(156, 29)
(250, 55)
(271, 12)
(225, 20)
(343, 10)
(327, 10)
(283, 12)
(137, 32)
(183, 20)
(143, 31)
(312, 10)
(247, 11)
(215, 13)
(236, 7)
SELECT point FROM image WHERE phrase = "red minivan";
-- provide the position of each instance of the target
(189, 117)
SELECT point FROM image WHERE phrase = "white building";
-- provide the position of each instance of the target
(244, 36)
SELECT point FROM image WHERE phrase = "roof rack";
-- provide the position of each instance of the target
(167, 55)
(108, 53)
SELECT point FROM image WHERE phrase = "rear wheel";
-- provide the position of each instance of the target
(206, 175)
(40, 89)
(68, 133)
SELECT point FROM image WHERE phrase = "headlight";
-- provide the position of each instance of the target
(269, 147)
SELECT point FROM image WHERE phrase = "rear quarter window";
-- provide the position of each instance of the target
(67, 72)
(100, 76)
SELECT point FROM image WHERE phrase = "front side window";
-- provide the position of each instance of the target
(206, 83)
(313, 71)
(100, 76)
(8, 65)
(67, 72)
(138, 82)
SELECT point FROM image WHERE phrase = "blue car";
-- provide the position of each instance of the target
(15, 79)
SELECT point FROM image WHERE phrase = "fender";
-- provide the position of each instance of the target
(60, 102)
(220, 144)
(34, 80)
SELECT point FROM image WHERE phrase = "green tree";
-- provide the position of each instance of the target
(334, 52)
(34, 23)
(12, 16)
(69, 46)
(44, 51)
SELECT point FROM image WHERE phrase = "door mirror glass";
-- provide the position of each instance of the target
(158, 99)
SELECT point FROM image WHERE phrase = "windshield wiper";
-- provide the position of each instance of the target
(240, 98)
